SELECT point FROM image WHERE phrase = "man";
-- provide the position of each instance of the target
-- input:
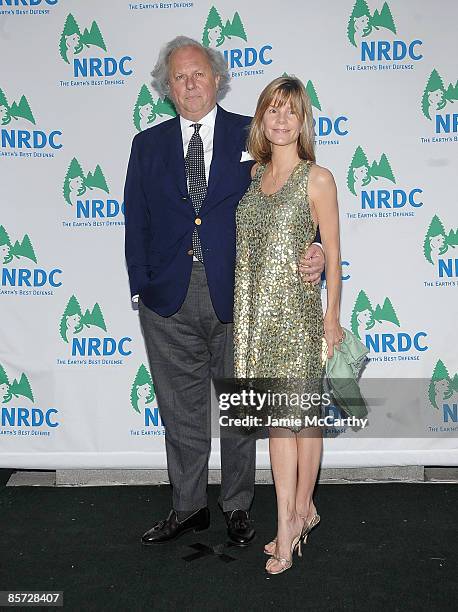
(184, 180)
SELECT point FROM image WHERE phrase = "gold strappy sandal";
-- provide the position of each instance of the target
(305, 532)
(286, 563)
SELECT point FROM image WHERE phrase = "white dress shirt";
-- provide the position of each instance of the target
(206, 133)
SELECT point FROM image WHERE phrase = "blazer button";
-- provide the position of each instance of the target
(190, 252)
(198, 221)
(184, 198)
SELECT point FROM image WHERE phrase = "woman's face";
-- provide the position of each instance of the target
(281, 125)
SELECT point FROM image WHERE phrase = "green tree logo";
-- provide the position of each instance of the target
(72, 42)
(437, 241)
(17, 388)
(76, 182)
(215, 33)
(16, 110)
(73, 321)
(311, 92)
(146, 110)
(362, 23)
(9, 251)
(142, 392)
(436, 96)
(364, 317)
(442, 386)
(361, 173)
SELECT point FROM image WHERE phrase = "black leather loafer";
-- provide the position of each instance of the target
(171, 527)
(239, 527)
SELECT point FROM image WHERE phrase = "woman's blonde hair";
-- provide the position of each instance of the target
(279, 92)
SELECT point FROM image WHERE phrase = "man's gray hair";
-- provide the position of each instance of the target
(216, 59)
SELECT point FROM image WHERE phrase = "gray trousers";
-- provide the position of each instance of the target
(185, 351)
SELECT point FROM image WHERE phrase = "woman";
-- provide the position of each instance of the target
(278, 318)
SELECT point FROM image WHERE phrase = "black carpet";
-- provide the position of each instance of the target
(378, 547)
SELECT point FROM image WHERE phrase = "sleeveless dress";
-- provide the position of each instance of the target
(278, 318)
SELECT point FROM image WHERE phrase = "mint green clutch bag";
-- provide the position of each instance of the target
(342, 373)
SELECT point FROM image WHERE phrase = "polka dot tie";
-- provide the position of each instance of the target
(197, 182)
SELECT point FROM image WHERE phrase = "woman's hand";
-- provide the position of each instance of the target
(333, 334)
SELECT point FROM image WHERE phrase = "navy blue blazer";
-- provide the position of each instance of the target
(160, 218)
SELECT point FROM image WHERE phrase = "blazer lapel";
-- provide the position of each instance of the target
(173, 156)
(221, 158)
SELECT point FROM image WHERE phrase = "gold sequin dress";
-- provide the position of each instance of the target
(278, 318)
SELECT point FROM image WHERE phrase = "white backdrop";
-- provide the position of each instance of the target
(75, 88)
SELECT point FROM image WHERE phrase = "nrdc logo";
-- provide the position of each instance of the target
(364, 27)
(442, 392)
(17, 405)
(246, 61)
(369, 325)
(24, 141)
(87, 194)
(83, 333)
(143, 398)
(18, 276)
(435, 103)
(362, 175)
(43, 4)
(83, 50)
(436, 245)
(147, 110)
(324, 125)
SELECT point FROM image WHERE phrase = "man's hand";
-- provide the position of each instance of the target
(311, 264)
